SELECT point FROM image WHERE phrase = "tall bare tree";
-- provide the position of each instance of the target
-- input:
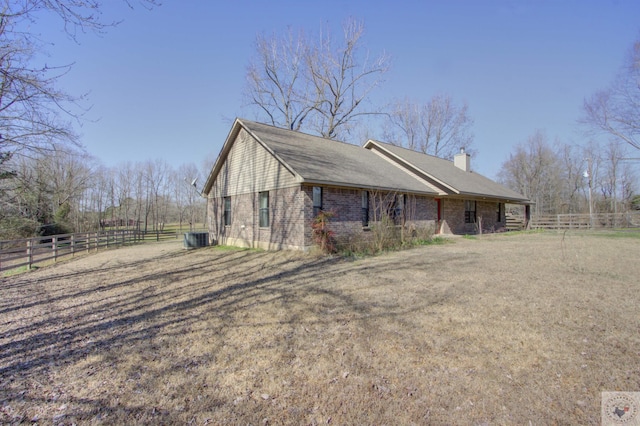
(534, 171)
(188, 202)
(440, 127)
(31, 108)
(617, 181)
(612, 156)
(125, 191)
(316, 84)
(34, 113)
(277, 80)
(616, 110)
(572, 168)
(343, 78)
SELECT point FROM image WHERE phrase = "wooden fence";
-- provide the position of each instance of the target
(586, 221)
(514, 222)
(31, 251)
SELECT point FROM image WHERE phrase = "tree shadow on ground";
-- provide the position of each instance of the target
(132, 303)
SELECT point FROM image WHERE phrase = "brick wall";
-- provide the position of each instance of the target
(347, 206)
(286, 220)
(291, 215)
(453, 217)
(489, 212)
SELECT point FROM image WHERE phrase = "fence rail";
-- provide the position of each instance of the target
(28, 252)
(586, 221)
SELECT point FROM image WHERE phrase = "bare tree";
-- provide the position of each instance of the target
(572, 164)
(277, 80)
(534, 171)
(190, 205)
(343, 78)
(47, 189)
(140, 194)
(612, 156)
(571, 179)
(439, 127)
(314, 85)
(31, 108)
(34, 113)
(628, 186)
(616, 110)
(617, 181)
(69, 173)
(156, 184)
(125, 190)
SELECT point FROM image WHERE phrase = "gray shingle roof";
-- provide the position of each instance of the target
(319, 160)
(465, 183)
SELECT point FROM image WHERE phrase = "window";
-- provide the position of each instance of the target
(264, 209)
(317, 200)
(227, 211)
(365, 208)
(469, 211)
(500, 211)
(396, 211)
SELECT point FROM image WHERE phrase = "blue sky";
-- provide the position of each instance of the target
(167, 83)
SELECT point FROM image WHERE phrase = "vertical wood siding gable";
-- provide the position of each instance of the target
(250, 168)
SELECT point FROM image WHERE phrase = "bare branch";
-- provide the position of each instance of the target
(313, 85)
(438, 127)
(616, 110)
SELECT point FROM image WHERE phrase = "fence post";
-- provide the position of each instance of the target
(54, 246)
(29, 253)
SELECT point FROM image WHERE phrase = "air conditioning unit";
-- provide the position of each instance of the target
(196, 239)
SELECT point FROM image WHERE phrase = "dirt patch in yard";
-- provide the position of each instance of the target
(499, 330)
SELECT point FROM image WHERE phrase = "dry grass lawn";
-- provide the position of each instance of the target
(500, 330)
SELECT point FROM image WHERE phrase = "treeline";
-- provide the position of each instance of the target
(563, 178)
(64, 191)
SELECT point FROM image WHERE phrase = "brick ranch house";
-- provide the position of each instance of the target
(268, 184)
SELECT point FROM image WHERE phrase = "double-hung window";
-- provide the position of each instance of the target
(365, 208)
(469, 211)
(227, 211)
(317, 200)
(264, 209)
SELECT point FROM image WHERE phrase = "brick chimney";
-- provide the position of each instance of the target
(462, 160)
